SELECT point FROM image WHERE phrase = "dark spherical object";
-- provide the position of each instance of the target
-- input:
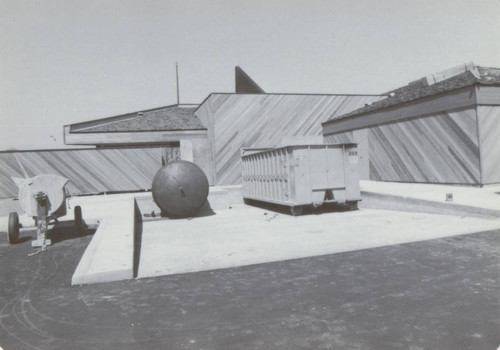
(180, 188)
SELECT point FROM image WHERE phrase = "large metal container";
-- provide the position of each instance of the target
(297, 176)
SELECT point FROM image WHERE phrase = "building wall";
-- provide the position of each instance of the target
(89, 170)
(489, 134)
(438, 148)
(198, 151)
(237, 120)
(441, 148)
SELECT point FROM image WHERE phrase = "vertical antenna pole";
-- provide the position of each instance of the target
(177, 80)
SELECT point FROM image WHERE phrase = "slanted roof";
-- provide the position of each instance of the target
(425, 87)
(169, 118)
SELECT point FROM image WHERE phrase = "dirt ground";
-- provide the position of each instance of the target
(437, 294)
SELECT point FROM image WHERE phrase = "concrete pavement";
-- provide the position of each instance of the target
(436, 294)
(246, 235)
(431, 198)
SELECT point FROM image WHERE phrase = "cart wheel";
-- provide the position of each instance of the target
(78, 220)
(296, 210)
(13, 227)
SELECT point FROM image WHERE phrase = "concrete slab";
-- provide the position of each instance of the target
(110, 255)
(246, 235)
(467, 200)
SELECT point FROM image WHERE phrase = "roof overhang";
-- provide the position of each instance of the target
(451, 100)
(130, 138)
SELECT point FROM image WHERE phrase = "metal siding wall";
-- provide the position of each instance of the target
(489, 134)
(262, 121)
(89, 171)
(441, 148)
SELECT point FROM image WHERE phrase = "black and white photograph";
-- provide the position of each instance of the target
(249, 174)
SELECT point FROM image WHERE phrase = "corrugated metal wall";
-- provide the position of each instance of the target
(237, 120)
(89, 170)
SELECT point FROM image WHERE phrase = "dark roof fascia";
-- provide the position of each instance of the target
(131, 138)
(291, 94)
(83, 148)
(477, 83)
(134, 131)
(403, 104)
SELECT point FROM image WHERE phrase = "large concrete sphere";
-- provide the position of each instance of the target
(180, 188)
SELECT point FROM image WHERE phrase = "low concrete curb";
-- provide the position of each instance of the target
(110, 255)
(376, 200)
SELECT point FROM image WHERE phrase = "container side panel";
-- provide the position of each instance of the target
(351, 171)
(441, 148)
(335, 169)
(489, 134)
(301, 164)
(361, 138)
(302, 175)
(317, 168)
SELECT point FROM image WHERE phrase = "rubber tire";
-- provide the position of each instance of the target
(13, 227)
(78, 220)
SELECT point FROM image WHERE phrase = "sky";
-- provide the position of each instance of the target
(67, 61)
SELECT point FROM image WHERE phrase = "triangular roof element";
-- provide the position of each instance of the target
(244, 84)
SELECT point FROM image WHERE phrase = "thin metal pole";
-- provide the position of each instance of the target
(177, 80)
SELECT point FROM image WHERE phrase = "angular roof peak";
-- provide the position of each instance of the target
(244, 84)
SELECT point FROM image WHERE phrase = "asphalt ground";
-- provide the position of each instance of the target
(436, 294)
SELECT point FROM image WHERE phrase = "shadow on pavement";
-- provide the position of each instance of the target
(65, 230)
(306, 210)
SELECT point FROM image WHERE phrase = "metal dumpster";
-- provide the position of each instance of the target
(302, 175)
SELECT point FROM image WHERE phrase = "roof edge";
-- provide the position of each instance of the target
(120, 116)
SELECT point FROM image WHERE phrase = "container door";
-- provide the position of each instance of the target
(318, 173)
(335, 173)
(351, 163)
(300, 173)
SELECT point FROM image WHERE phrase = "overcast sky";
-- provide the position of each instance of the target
(65, 61)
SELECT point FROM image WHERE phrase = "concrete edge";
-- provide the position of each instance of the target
(96, 265)
(376, 200)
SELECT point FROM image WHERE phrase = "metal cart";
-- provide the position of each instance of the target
(42, 197)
